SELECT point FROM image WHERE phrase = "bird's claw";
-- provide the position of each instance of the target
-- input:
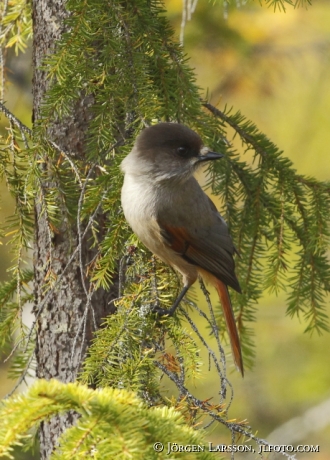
(157, 310)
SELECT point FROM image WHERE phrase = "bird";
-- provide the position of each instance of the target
(174, 218)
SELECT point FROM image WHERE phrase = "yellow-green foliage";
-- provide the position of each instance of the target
(16, 24)
(112, 424)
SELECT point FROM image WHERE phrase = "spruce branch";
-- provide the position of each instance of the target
(256, 143)
(282, 203)
(23, 128)
(23, 373)
(206, 407)
(111, 421)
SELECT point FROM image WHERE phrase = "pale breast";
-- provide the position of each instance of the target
(141, 204)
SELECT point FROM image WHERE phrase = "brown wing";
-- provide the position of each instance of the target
(206, 246)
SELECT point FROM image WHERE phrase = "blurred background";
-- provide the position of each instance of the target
(275, 68)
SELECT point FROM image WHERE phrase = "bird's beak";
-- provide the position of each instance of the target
(208, 156)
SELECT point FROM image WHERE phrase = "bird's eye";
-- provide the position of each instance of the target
(182, 151)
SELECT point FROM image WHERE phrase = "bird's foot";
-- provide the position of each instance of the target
(157, 310)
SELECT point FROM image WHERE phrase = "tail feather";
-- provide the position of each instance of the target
(230, 322)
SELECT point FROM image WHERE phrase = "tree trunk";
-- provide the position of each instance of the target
(64, 327)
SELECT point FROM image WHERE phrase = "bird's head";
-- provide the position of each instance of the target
(167, 151)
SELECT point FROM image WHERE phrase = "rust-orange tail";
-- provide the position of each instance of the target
(230, 322)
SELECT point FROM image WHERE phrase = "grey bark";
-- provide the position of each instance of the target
(61, 321)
